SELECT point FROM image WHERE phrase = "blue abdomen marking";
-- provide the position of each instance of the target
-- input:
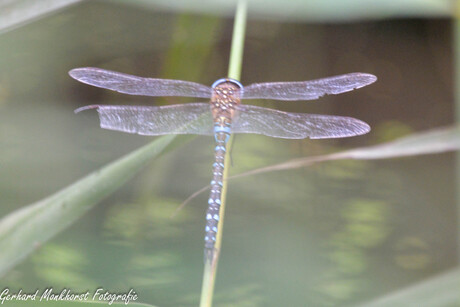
(224, 129)
(222, 135)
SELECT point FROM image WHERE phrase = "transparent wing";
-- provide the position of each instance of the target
(307, 90)
(190, 118)
(274, 123)
(133, 85)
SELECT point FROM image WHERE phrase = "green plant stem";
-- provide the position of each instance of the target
(236, 51)
(234, 72)
(456, 38)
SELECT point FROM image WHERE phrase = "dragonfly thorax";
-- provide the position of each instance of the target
(226, 96)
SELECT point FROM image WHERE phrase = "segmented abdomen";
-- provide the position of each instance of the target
(222, 135)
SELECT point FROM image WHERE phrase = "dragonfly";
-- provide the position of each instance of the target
(222, 116)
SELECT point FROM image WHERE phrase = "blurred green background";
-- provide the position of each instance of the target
(334, 234)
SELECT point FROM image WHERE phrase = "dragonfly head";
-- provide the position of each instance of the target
(229, 80)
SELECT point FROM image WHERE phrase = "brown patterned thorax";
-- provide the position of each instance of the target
(225, 98)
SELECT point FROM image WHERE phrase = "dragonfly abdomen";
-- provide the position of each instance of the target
(222, 135)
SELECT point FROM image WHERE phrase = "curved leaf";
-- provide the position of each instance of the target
(14, 13)
(438, 291)
(27, 228)
(311, 10)
(422, 143)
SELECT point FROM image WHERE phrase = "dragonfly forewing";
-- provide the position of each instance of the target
(190, 118)
(274, 123)
(308, 90)
(134, 85)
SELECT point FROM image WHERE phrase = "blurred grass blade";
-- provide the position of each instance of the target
(434, 292)
(311, 10)
(14, 13)
(26, 229)
(423, 143)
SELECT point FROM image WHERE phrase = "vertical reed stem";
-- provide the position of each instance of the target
(456, 39)
(234, 72)
(236, 52)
